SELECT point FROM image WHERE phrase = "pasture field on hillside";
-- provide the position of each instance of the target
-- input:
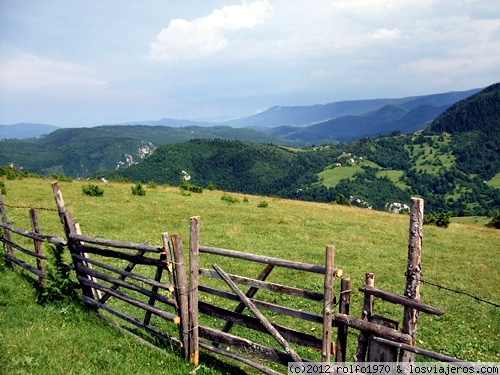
(462, 257)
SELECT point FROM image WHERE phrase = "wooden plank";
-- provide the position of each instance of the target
(304, 315)
(379, 352)
(133, 258)
(131, 275)
(400, 300)
(154, 291)
(125, 284)
(232, 317)
(181, 290)
(249, 304)
(326, 349)
(69, 229)
(430, 354)
(34, 236)
(413, 273)
(123, 274)
(22, 249)
(194, 244)
(130, 300)
(250, 293)
(243, 359)
(373, 328)
(117, 244)
(24, 265)
(252, 348)
(344, 305)
(268, 260)
(258, 284)
(37, 244)
(150, 329)
(366, 315)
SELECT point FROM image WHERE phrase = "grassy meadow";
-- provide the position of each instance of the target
(463, 257)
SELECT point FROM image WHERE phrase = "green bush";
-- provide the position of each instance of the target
(440, 220)
(495, 221)
(92, 190)
(138, 190)
(152, 185)
(186, 186)
(3, 189)
(58, 285)
(263, 204)
(342, 200)
(211, 186)
(229, 199)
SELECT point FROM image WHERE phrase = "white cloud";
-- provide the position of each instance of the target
(30, 72)
(184, 39)
(386, 33)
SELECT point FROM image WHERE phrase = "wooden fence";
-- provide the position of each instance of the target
(188, 303)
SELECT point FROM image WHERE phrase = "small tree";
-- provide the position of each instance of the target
(3, 189)
(138, 190)
(342, 200)
(58, 285)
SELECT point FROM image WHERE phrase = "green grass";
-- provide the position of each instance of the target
(68, 339)
(461, 257)
(331, 177)
(476, 220)
(495, 181)
(394, 176)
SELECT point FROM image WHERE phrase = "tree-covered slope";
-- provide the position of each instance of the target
(474, 124)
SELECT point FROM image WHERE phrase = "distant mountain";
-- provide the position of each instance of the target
(308, 115)
(383, 121)
(170, 122)
(25, 130)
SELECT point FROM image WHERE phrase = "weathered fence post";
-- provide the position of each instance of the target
(38, 244)
(181, 288)
(413, 273)
(345, 300)
(194, 244)
(69, 229)
(6, 232)
(327, 349)
(366, 315)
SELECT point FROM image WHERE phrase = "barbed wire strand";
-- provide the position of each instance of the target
(459, 292)
(29, 207)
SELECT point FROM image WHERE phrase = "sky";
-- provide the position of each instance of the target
(83, 63)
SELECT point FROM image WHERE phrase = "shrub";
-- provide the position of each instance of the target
(440, 220)
(58, 285)
(263, 204)
(3, 189)
(342, 200)
(245, 199)
(229, 199)
(138, 190)
(152, 185)
(211, 186)
(495, 221)
(186, 186)
(92, 190)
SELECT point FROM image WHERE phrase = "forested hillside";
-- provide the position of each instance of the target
(371, 172)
